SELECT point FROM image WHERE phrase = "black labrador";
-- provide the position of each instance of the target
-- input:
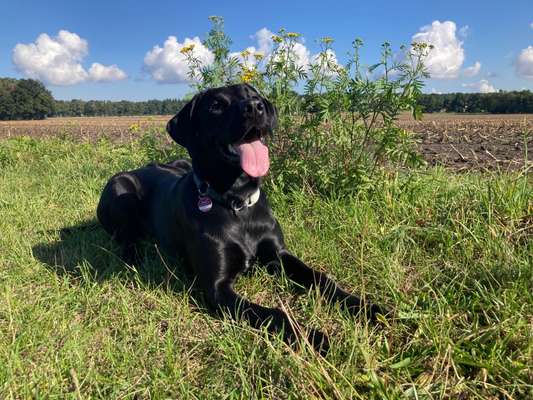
(213, 212)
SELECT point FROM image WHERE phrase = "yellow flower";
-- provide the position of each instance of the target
(245, 53)
(326, 40)
(186, 49)
(277, 39)
(248, 75)
(293, 34)
(134, 127)
(259, 56)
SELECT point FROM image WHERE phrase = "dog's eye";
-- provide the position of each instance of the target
(217, 107)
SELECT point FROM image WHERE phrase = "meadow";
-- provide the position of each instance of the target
(448, 246)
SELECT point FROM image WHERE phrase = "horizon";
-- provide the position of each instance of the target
(136, 57)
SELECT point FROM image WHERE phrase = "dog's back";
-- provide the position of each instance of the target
(127, 198)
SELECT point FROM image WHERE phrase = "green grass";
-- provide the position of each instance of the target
(452, 254)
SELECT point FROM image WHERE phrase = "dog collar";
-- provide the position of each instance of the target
(206, 195)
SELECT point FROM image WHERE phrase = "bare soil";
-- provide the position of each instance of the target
(463, 142)
(456, 141)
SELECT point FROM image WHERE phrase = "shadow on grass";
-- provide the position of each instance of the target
(86, 252)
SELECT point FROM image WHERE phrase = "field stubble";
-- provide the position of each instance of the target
(459, 142)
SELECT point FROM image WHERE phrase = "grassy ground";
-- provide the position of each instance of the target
(453, 254)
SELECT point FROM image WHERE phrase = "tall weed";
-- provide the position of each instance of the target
(337, 123)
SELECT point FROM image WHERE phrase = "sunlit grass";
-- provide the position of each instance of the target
(452, 254)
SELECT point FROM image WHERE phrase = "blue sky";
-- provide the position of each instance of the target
(102, 52)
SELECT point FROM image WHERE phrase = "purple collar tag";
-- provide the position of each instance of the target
(204, 203)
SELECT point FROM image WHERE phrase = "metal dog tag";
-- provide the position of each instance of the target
(204, 203)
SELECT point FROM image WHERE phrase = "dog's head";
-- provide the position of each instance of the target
(226, 125)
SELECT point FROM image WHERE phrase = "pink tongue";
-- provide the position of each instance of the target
(254, 158)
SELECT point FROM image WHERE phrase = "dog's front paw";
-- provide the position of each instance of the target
(373, 312)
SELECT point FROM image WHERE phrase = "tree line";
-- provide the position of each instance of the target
(513, 102)
(101, 108)
(29, 99)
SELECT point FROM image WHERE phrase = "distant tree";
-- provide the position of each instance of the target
(76, 107)
(7, 106)
(24, 99)
(501, 102)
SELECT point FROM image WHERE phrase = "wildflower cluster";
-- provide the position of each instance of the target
(187, 49)
(337, 122)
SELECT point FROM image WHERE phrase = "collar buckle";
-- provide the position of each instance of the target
(238, 205)
(205, 191)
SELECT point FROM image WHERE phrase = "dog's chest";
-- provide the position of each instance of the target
(247, 233)
(249, 243)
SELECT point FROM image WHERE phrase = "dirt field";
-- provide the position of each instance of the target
(85, 128)
(459, 142)
(475, 141)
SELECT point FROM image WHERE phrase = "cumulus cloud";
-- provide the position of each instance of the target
(264, 48)
(447, 56)
(250, 60)
(54, 60)
(330, 63)
(57, 60)
(265, 43)
(168, 65)
(264, 40)
(524, 63)
(483, 86)
(106, 73)
(301, 55)
(473, 70)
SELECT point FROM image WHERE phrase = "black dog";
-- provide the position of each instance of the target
(213, 212)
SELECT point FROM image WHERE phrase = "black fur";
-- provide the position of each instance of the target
(159, 202)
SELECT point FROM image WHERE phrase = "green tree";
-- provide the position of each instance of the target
(24, 99)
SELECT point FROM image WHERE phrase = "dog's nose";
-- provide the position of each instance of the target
(253, 107)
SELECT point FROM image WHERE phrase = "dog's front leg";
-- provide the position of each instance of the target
(277, 259)
(221, 297)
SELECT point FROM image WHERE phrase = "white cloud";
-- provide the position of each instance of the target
(264, 40)
(104, 73)
(483, 86)
(531, 25)
(447, 56)
(53, 60)
(265, 44)
(168, 65)
(524, 63)
(472, 71)
(331, 64)
(57, 60)
(264, 47)
(301, 55)
(250, 60)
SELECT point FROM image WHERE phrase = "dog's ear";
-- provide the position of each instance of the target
(181, 127)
